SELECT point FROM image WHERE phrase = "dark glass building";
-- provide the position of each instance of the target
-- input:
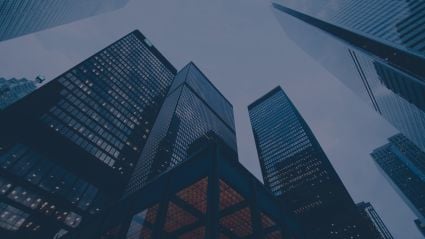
(192, 108)
(376, 48)
(12, 90)
(297, 171)
(374, 221)
(21, 17)
(208, 196)
(403, 164)
(68, 149)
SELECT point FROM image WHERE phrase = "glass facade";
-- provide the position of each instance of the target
(376, 49)
(20, 17)
(374, 221)
(403, 164)
(193, 108)
(68, 149)
(297, 171)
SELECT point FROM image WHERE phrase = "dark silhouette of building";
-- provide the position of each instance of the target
(21, 17)
(68, 149)
(377, 49)
(12, 90)
(209, 195)
(403, 165)
(297, 171)
(192, 108)
(374, 221)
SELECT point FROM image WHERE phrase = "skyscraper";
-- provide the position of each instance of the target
(68, 149)
(14, 89)
(403, 164)
(20, 17)
(377, 49)
(192, 108)
(374, 221)
(297, 171)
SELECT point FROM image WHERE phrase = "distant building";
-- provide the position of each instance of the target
(208, 196)
(375, 223)
(403, 164)
(68, 149)
(21, 17)
(376, 48)
(297, 171)
(14, 89)
(192, 108)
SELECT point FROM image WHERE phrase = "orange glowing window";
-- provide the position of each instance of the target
(196, 195)
(177, 217)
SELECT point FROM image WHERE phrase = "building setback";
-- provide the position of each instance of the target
(68, 149)
(192, 108)
(374, 221)
(377, 49)
(297, 171)
(403, 165)
(21, 17)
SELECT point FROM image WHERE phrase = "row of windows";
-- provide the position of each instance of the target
(52, 178)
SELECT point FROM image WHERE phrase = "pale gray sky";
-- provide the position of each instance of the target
(241, 47)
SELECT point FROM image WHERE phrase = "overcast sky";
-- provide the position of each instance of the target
(241, 47)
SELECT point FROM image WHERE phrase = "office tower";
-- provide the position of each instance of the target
(297, 171)
(14, 89)
(375, 223)
(403, 164)
(21, 17)
(208, 196)
(376, 48)
(192, 108)
(68, 149)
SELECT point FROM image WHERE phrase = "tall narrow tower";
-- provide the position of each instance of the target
(298, 172)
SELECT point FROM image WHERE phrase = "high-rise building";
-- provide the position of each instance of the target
(20, 17)
(208, 196)
(193, 107)
(297, 171)
(377, 49)
(403, 164)
(374, 221)
(68, 149)
(12, 90)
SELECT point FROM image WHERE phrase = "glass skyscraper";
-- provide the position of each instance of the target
(403, 164)
(297, 171)
(68, 149)
(374, 221)
(20, 17)
(192, 108)
(376, 48)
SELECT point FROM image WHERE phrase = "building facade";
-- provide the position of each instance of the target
(297, 171)
(21, 17)
(68, 149)
(374, 221)
(193, 107)
(377, 49)
(403, 164)
(12, 90)
(214, 197)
